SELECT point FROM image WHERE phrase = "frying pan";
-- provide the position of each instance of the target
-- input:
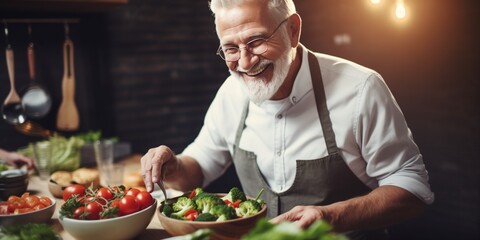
(36, 100)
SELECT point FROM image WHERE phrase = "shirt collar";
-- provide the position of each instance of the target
(303, 80)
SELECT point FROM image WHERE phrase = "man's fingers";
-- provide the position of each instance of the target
(152, 165)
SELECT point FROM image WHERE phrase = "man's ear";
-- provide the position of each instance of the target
(295, 29)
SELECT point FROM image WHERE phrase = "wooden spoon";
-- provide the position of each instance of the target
(67, 117)
(12, 108)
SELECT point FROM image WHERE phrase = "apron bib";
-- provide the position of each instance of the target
(317, 182)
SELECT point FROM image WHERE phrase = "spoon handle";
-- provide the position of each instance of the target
(13, 96)
(31, 61)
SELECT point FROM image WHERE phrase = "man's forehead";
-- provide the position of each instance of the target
(245, 19)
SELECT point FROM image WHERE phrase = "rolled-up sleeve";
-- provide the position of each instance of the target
(387, 145)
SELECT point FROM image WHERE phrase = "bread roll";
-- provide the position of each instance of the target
(133, 180)
(86, 176)
(62, 178)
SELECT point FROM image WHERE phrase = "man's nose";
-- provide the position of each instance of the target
(247, 60)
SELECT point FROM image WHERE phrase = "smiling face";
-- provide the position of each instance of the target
(269, 75)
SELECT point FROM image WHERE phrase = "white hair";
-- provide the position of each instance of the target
(280, 9)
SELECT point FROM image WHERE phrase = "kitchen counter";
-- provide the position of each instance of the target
(38, 186)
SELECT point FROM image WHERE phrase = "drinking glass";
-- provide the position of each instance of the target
(104, 152)
(43, 157)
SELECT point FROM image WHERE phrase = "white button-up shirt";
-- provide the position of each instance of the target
(370, 130)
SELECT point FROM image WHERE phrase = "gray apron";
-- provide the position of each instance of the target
(317, 182)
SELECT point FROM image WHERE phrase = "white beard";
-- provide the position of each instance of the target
(259, 90)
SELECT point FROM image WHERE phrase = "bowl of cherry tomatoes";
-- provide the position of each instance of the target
(26, 209)
(122, 213)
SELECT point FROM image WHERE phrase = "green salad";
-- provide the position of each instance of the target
(199, 205)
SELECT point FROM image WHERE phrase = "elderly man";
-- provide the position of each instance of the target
(322, 135)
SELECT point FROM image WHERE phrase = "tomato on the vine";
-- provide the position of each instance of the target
(144, 199)
(104, 195)
(128, 205)
(78, 212)
(133, 192)
(73, 189)
(93, 210)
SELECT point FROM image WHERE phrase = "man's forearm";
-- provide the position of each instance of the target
(187, 176)
(382, 207)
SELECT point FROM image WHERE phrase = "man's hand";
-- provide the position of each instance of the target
(304, 216)
(155, 162)
(384, 206)
(16, 158)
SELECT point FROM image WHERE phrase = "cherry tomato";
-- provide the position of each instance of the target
(22, 210)
(25, 195)
(38, 207)
(93, 209)
(133, 192)
(103, 195)
(128, 205)
(73, 189)
(78, 212)
(191, 214)
(32, 201)
(6, 208)
(16, 202)
(144, 199)
(45, 201)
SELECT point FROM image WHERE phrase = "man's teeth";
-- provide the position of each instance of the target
(257, 72)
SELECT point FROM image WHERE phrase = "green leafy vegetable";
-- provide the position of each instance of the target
(29, 231)
(66, 151)
(3, 166)
(319, 230)
(200, 234)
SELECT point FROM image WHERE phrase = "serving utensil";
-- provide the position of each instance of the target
(36, 100)
(12, 108)
(162, 187)
(67, 116)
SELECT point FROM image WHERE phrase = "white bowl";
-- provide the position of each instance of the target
(40, 216)
(124, 227)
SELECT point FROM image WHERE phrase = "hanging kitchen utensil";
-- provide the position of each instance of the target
(12, 109)
(67, 117)
(34, 129)
(36, 100)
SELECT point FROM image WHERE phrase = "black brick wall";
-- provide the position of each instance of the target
(146, 72)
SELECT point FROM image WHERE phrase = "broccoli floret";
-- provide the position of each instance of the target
(206, 217)
(178, 217)
(206, 201)
(198, 193)
(198, 190)
(235, 194)
(167, 210)
(248, 208)
(223, 212)
(182, 205)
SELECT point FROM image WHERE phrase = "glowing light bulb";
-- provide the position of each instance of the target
(375, 1)
(400, 10)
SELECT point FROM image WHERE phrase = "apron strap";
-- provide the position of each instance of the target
(321, 101)
(241, 126)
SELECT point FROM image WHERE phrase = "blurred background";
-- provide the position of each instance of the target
(146, 71)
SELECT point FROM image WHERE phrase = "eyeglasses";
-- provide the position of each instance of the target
(256, 46)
